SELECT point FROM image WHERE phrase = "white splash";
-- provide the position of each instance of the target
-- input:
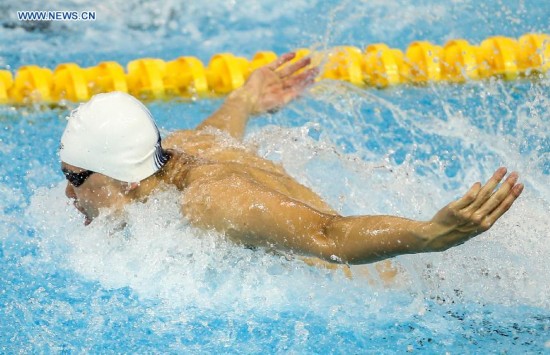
(160, 256)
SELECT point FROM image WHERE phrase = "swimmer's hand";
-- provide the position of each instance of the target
(474, 213)
(266, 90)
(271, 87)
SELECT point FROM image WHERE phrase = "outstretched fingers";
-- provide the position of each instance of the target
(467, 199)
(480, 201)
(500, 195)
(482, 206)
(487, 190)
(504, 205)
(295, 85)
(475, 212)
(292, 68)
(281, 60)
(303, 79)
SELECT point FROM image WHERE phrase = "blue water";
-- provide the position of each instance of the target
(165, 287)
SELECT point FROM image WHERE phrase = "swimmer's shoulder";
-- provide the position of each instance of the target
(216, 148)
(188, 140)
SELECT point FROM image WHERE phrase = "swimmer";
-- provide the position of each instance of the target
(112, 155)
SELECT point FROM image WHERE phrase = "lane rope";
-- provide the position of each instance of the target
(377, 66)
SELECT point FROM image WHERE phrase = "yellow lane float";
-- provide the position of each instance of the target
(378, 65)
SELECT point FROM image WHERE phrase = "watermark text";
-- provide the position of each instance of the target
(48, 15)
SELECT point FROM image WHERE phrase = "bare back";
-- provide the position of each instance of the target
(216, 157)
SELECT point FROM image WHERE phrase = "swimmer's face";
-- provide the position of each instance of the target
(93, 192)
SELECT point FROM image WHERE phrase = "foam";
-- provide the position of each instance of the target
(160, 256)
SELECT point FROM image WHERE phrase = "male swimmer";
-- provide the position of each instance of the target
(112, 155)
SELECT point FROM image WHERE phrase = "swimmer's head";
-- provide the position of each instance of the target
(113, 134)
(110, 144)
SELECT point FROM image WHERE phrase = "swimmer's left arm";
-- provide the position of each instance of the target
(255, 215)
(268, 88)
(475, 212)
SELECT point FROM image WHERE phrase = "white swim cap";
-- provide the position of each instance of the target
(113, 134)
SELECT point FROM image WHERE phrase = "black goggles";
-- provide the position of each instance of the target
(76, 179)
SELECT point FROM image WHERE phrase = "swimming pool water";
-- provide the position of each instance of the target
(161, 286)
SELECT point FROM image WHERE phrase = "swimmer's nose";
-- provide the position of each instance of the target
(69, 191)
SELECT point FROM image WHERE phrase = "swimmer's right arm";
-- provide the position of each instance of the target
(268, 88)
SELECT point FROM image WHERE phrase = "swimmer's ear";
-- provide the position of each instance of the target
(130, 186)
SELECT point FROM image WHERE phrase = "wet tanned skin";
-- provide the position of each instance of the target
(255, 202)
